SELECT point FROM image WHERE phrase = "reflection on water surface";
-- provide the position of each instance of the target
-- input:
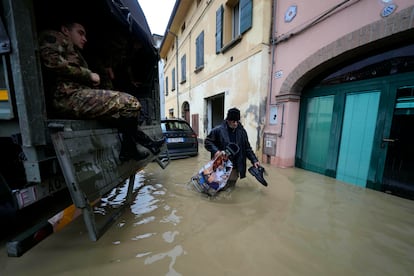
(301, 224)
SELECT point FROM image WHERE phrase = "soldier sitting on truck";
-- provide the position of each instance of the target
(76, 90)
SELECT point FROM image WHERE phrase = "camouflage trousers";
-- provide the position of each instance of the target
(98, 104)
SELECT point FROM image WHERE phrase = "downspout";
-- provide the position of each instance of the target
(272, 65)
(176, 71)
(176, 80)
(273, 48)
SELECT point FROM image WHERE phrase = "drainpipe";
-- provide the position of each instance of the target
(271, 98)
(176, 70)
(272, 49)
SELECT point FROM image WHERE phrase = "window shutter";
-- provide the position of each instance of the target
(197, 52)
(183, 68)
(219, 29)
(246, 14)
(173, 79)
(166, 86)
(200, 50)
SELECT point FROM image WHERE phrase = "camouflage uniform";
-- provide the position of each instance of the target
(72, 87)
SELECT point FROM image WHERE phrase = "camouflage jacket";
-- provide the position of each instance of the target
(68, 71)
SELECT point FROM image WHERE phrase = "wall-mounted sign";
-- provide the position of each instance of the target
(291, 13)
(388, 10)
(278, 74)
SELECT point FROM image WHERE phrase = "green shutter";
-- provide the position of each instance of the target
(219, 29)
(246, 14)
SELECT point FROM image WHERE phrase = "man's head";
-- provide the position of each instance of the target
(76, 33)
(233, 117)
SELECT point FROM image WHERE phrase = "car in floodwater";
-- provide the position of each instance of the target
(181, 139)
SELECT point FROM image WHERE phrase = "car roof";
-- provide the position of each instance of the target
(174, 120)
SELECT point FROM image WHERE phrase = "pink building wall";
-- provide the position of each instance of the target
(301, 49)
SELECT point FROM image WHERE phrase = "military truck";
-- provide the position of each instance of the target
(44, 154)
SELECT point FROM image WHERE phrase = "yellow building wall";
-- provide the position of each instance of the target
(241, 73)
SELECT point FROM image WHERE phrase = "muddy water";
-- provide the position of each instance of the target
(301, 224)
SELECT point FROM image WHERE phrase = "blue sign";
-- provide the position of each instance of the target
(388, 10)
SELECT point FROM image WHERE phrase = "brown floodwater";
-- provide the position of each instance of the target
(301, 224)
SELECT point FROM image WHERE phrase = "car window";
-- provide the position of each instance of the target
(175, 126)
(182, 126)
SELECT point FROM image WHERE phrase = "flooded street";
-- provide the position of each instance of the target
(301, 224)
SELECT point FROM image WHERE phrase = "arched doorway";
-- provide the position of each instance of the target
(356, 123)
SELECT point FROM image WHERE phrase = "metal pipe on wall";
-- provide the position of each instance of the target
(176, 71)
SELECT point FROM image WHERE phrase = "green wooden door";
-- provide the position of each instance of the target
(360, 126)
(360, 116)
(317, 134)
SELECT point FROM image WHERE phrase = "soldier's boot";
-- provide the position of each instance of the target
(129, 150)
(129, 126)
(153, 145)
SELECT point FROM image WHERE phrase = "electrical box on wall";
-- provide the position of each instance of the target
(273, 115)
(269, 144)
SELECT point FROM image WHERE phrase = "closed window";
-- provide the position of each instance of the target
(232, 20)
(235, 21)
(183, 68)
(200, 51)
(173, 79)
(166, 86)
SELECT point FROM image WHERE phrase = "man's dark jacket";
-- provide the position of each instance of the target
(218, 139)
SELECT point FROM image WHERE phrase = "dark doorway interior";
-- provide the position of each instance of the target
(217, 110)
(398, 176)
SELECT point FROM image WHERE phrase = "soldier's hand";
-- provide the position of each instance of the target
(96, 80)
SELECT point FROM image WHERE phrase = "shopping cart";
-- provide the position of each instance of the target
(213, 176)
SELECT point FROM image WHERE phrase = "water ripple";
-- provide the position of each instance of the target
(172, 218)
(173, 254)
(169, 236)
(143, 236)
